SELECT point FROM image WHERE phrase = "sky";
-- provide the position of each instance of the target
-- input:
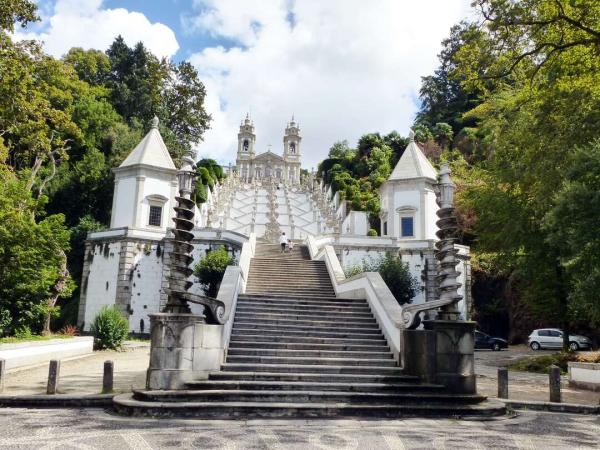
(343, 68)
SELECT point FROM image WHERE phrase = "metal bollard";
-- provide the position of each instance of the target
(554, 375)
(2, 374)
(53, 376)
(502, 383)
(107, 378)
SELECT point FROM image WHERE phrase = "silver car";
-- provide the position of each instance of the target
(552, 338)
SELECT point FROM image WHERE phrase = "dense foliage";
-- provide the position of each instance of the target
(64, 124)
(110, 328)
(394, 272)
(514, 106)
(211, 268)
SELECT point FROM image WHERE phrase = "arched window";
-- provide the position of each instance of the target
(293, 147)
(246, 144)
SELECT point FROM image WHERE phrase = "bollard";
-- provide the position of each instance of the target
(502, 383)
(2, 374)
(554, 375)
(107, 378)
(53, 375)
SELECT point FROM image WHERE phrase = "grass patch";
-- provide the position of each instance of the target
(541, 364)
(33, 338)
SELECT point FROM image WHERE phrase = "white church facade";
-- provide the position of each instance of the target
(263, 196)
(268, 165)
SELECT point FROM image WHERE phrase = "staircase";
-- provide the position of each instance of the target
(298, 351)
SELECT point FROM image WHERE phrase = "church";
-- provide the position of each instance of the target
(268, 165)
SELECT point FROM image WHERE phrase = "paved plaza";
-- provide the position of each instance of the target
(96, 429)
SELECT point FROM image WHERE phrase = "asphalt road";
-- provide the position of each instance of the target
(96, 429)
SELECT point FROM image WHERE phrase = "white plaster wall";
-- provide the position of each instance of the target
(123, 210)
(406, 198)
(430, 215)
(145, 286)
(101, 288)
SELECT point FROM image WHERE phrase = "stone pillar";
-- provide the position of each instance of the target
(418, 354)
(2, 374)
(53, 377)
(455, 362)
(503, 382)
(175, 341)
(554, 379)
(107, 377)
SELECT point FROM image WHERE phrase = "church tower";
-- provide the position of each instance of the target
(291, 151)
(246, 151)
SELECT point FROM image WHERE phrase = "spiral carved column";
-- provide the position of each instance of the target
(446, 252)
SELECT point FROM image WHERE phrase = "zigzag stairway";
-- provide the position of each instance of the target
(298, 351)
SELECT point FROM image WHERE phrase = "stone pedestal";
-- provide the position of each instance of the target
(418, 354)
(455, 364)
(176, 350)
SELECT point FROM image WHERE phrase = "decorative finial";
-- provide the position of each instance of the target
(247, 116)
(154, 122)
(292, 117)
(411, 135)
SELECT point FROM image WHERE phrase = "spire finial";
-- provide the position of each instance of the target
(411, 135)
(154, 123)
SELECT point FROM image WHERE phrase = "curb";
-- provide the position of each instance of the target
(57, 401)
(573, 408)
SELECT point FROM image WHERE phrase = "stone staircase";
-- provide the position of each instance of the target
(298, 351)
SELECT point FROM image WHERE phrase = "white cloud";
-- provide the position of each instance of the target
(344, 67)
(84, 23)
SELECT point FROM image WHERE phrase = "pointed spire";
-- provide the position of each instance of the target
(154, 123)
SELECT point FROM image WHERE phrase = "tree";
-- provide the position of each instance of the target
(16, 11)
(32, 257)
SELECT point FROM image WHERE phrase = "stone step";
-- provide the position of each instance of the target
(313, 386)
(301, 338)
(279, 332)
(125, 404)
(307, 313)
(309, 322)
(313, 353)
(269, 290)
(289, 285)
(304, 377)
(287, 367)
(307, 330)
(297, 396)
(283, 258)
(325, 302)
(259, 345)
(304, 296)
(310, 361)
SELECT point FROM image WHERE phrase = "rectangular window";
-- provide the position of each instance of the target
(155, 216)
(385, 228)
(406, 227)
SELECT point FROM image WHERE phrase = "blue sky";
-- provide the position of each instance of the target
(343, 67)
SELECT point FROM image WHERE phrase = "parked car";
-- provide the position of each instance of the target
(553, 338)
(483, 340)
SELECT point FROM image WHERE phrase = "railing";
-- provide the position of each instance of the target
(390, 315)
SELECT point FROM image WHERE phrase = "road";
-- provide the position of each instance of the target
(95, 429)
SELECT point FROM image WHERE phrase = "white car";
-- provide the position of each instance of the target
(552, 338)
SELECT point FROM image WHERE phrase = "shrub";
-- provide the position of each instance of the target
(211, 268)
(372, 232)
(541, 364)
(69, 330)
(396, 275)
(5, 320)
(110, 328)
(394, 272)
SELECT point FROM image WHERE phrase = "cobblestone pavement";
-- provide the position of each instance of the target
(95, 429)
